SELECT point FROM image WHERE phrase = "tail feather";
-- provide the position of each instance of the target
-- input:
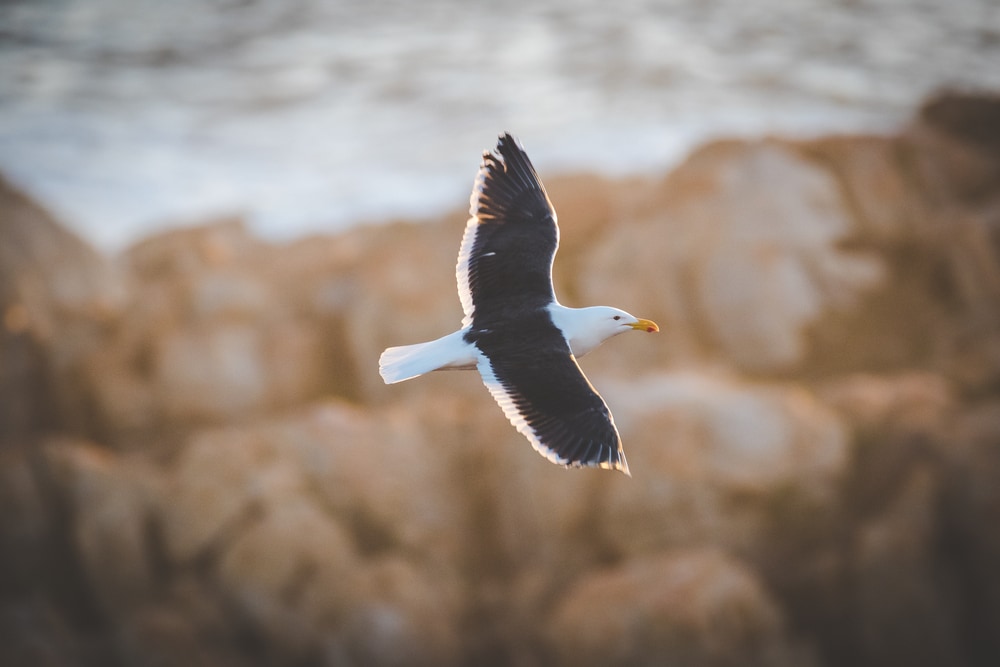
(409, 361)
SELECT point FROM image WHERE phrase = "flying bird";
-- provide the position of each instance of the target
(523, 342)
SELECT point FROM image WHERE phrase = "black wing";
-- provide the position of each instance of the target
(506, 255)
(532, 374)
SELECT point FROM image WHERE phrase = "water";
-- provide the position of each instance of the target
(129, 116)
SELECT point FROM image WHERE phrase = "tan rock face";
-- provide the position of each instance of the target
(112, 505)
(299, 516)
(742, 266)
(716, 460)
(24, 531)
(688, 607)
(57, 296)
(199, 463)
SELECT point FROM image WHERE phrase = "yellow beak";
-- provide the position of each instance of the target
(648, 326)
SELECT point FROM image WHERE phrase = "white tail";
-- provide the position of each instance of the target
(408, 361)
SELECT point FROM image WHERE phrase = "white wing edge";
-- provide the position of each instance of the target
(468, 243)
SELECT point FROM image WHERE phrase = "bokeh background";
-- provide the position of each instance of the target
(214, 217)
(124, 117)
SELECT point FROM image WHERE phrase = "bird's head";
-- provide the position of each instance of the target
(625, 322)
(586, 328)
(619, 321)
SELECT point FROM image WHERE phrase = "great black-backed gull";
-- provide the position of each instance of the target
(521, 339)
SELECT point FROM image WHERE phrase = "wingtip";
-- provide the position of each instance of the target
(507, 143)
(506, 173)
(621, 465)
(611, 463)
(506, 137)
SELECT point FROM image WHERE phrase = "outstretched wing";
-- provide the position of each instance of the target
(534, 377)
(510, 240)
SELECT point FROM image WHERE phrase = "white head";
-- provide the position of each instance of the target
(586, 328)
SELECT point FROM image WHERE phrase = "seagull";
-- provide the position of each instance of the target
(523, 342)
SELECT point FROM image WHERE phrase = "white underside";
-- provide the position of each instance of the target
(584, 329)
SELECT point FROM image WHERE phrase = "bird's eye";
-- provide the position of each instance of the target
(617, 317)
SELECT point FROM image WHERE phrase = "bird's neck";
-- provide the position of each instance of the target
(577, 325)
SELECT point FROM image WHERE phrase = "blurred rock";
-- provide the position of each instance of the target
(201, 465)
(928, 203)
(292, 573)
(718, 461)
(914, 402)
(956, 148)
(400, 620)
(904, 610)
(297, 517)
(882, 586)
(56, 296)
(110, 501)
(686, 608)
(972, 547)
(37, 634)
(876, 184)
(743, 266)
(220, 328)
(24, 523)
(167, 634)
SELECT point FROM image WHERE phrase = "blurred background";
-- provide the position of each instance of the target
(215, 216)
(125, 117)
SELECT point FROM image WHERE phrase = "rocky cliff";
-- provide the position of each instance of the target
(199, 464)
